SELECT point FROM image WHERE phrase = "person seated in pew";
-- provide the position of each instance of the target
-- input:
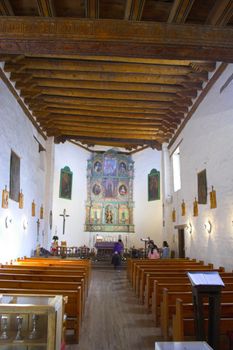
(153, 250)
(165, 254)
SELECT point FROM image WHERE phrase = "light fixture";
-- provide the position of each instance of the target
(208, 226)
(8, 221)
(189, 228)
(25, 224)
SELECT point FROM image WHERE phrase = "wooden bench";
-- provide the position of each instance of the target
(183, 321)
(167, 277)
(168, 305)
(155, 266)
(158, 293)
(132, 263)
(141, 272)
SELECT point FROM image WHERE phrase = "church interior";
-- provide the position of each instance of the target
(116, 123)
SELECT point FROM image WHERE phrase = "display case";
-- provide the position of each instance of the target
(31, 322)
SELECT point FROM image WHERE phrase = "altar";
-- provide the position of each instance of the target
(104, 249)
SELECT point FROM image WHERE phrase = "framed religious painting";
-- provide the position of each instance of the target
(154, 185)
(14, 177)
(66, 177)
(202, 187)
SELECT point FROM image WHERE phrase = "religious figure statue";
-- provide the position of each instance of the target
(21, 198)
(195, 207)
(33, 208)
(41, 212)
(213, 199)
(108, 216)
(173, 215)
(5, 198)
(183, 208)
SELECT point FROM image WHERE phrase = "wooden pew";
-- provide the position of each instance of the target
(168, 305)
(42, 274)
(132, 263)
(48, 269)
(158, 293)
(141, 284)
(146, 283)
(168, 277)
(183, 320)
(141, 272)
(159, 264)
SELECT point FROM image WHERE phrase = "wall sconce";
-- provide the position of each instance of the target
(208, 226)
(25, 224)
(189, 228)
(8, 221)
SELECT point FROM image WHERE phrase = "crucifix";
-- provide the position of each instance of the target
(38, 229)
(64, 220)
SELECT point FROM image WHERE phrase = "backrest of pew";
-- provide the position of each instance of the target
(170, 277)
(163, 266)
(140, 269)
(183, 320)
(131, 263)
(47, 269)
(141, 276)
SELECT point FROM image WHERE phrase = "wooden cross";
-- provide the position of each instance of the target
(64, 220)
(38, 229)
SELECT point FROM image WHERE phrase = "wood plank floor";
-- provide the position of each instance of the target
(114, 320)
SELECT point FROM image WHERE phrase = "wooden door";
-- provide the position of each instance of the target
(181, 243)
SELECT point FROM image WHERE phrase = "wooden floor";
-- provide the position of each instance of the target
(113, 318)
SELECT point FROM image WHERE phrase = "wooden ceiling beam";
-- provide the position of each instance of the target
(92, 8)
(46, 8)
(101, 67)
(105, 102)
(112, 109)
(180, 10)
(115, 59)
(102, 114)
(94, 119)
(22, 35)
(105, 85)
(134, 9)
(99, 131)
(115, 77)
(221, 13)
(78, 125)
(89, 139)
(99, 94)
(6, 8)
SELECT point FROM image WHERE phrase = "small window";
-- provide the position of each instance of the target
(176, 169)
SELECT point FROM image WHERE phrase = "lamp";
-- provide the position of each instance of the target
(25, 224)
(208, 226)
(189, 228)
(8, 221)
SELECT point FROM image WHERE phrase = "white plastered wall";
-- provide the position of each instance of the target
(206, 142)
(17, 134)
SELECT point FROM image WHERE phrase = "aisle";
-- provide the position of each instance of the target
(113, 318)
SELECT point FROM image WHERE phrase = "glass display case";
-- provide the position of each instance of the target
(31, 322)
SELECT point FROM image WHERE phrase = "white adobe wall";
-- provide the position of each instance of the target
(147, 215)
(207, 143)
(16, 133)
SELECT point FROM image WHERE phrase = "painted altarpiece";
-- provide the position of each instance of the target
(109, 205)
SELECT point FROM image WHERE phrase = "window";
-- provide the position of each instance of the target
(176, 169)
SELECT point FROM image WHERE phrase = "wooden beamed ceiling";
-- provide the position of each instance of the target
(120, 73)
